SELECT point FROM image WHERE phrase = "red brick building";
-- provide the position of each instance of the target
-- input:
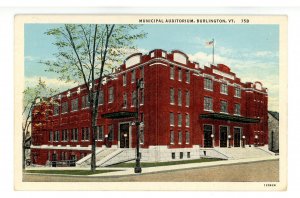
(184, 108)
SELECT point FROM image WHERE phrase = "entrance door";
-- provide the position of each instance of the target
(237, 137)
(73, 160)
(54, 160)
(124, 135)
(223, 136)
(207, 136)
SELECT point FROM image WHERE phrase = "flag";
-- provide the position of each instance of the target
(209, 43)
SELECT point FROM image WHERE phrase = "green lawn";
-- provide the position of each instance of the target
(153, 164)
(69, 172)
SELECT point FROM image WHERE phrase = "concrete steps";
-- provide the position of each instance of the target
(243, 153)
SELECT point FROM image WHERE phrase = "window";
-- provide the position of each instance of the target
(224, 88)
(179, 137)
(187, 120)
(74, 104)
(111, 132)
(179, 74)
(132, 76)
(171, 137)
(74, 135)
(85, 102)
(179, 119)
(124, 100)
(173, 155)
(181, 155)
(237, 109)
(172, 96)
(142, 97)
(133, 99)
(101, 97)
(237, 92)
(208, 84)
(99, 134)
(141, 136)
(111, 95)
(187, 98)
(65, 135)
(56, 136)
(208, 103)
(224, 106)
(50, 136)
(172, 72)
(62, 156)
(142, 72)
(188, 154)
(55, 109)
(187, 76)
(187, 137)
(64, 107)
(179, 97)
(124, 79)
(85, 134)
(171, 119)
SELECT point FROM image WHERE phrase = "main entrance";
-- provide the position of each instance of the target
(207, 136)
(223, 136)
(237, 137)
(124, 135)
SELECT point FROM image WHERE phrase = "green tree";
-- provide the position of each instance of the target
(86, 53)
(31, 97)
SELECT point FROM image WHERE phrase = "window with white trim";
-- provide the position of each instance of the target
(65, 135)
(142, 136)
(187, 120)
(208, 103)
(179, 137)
(171, 137)
(172, 72)
(124, 79)
(187, 98)
(224, 88)
(133, 76)
(85, 103)
(208, 84)
(179, 74)
(187, 76)
(237, 92)
(179, 119)
(75, 135)
(187, 137)
(133, 99)
(101, 97)
(56, 136)
(85, 134)
(171, 119)
(64, 107)
(55, 109)
(237, 109)
(224, 106)
(179, 97)
(100, 133)
(74, 104)
(50, 136)
(172, 93)
(111, 95)
(124, 100)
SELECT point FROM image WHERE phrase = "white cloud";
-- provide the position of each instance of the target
(248, 69)
(50, 82)
(31, 58)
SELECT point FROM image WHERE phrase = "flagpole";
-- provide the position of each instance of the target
(213, 52)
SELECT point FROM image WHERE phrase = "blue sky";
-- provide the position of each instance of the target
(251, 51)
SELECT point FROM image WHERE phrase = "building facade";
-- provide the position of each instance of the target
(183, 107)
(273, 124)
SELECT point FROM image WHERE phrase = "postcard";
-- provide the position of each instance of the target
(186, 102)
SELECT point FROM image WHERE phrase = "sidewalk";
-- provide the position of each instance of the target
(130, 171)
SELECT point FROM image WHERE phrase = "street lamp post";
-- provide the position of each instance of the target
(139, 85)
(229, 137)
(243, 138)
(212, 139)
(256, 140)
(125, 137)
